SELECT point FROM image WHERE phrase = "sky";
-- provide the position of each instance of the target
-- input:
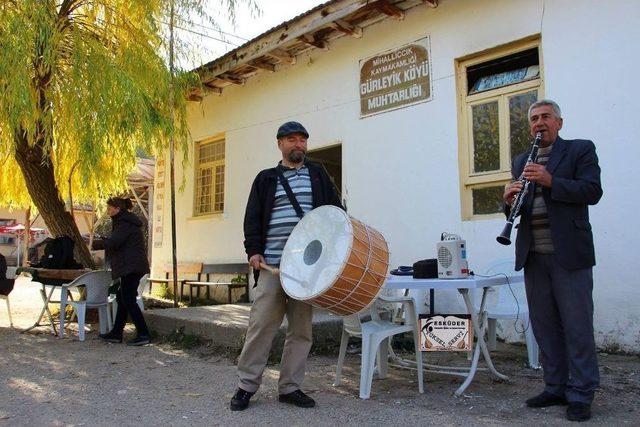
(273, 13)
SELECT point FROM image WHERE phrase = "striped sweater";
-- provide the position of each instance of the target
(540, 229)
(283, 215)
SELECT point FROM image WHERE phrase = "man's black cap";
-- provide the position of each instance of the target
(291, 127)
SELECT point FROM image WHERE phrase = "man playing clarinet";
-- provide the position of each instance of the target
(555, 247)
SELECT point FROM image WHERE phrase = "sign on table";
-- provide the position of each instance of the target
(446, 332)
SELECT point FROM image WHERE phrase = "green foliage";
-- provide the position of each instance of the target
(240, 278)
(88, 81)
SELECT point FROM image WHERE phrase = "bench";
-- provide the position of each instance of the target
(208, 270)
(186, 271)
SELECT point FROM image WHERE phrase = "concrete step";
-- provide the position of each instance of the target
(226, 325)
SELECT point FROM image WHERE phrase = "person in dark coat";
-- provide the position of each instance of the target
(555, 248)
(270, 217)
(127, 252)
(6, 285)
(3, 267)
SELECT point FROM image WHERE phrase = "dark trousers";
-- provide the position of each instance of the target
(561, 312)
(126, 298)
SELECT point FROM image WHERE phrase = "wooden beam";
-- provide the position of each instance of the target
(347, 28)
(271, 43)
(261, 65)
(388, 9)
(312, 41)
(283, 56)
(231, 78)
(210, 87)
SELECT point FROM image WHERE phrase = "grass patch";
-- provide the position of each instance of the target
(179, 339)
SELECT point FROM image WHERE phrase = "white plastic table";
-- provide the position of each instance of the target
(478, 318)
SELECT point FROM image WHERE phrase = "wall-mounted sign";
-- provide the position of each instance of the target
(158, 202)
(395, 79)
(449, 332)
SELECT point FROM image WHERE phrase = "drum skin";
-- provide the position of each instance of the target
(363, 272)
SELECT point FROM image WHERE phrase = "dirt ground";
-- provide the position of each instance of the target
(47, 381)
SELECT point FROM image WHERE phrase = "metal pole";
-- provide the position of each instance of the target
(174, 259)
(18, 251)
(27, 233)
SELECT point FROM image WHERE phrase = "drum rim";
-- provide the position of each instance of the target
(375, 298)
(344, 264)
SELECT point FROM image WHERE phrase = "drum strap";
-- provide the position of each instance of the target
(290, 195)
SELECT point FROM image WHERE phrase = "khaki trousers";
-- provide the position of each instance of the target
(268, 310)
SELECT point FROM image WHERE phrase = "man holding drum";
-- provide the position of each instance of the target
(278, 199)
(555, 247)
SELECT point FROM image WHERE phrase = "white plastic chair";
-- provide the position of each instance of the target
(506, 307)
(142, 287)
(96, 285)
(375, 341)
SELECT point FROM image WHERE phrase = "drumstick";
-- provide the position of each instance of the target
(276, 271)
(272, 270)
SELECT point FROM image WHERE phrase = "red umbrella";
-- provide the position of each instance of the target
(18, 230)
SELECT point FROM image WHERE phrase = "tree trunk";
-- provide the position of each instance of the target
(40, 180)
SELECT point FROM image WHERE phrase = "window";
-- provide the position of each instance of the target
(495, 90)
(209, 179)
(7, 240)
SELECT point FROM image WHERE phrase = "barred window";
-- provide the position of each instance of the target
(495, 91)
(209, 179)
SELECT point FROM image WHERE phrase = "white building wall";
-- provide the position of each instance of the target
(400, 168)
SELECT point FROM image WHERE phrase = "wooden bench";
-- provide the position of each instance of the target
(186, 271)
(208, 270)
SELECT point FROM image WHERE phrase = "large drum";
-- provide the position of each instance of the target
(334, 261)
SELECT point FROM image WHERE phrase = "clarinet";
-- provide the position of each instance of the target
(516, 206)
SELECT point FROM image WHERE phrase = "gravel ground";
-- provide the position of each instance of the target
(47, 381)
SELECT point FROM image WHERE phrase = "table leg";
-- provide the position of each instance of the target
(483, 344)
(63, 306)
(479, 325)
(45, 309)
(49, 315)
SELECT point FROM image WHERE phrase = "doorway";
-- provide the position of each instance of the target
(331, 159)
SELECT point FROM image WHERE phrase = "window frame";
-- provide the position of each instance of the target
(198, 166)
(470, 180)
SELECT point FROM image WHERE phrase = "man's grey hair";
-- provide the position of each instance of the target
(542, 103)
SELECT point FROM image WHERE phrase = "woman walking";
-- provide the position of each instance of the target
(126, 250)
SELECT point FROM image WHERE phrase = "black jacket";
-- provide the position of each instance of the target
(126, 247)
(3, 267)
(576, 185)
(261, 199)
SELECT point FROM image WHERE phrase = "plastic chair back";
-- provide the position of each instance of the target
(143, 285)
(502, 303)
(96, 284)
(352, 325)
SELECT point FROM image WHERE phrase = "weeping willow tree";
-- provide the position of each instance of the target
(84, 84)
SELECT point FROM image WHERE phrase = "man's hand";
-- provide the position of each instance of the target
(538, 174)
(510, 191)
(255, 261)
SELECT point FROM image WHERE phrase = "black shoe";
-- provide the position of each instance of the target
(111, 337)
(240, 400)
(139, 340)
(545, 399)
(578, 411)
(297, 398)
